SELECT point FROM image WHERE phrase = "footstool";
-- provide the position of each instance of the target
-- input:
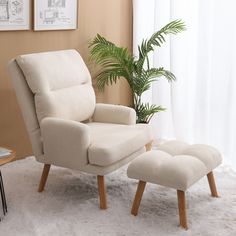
(175, 165)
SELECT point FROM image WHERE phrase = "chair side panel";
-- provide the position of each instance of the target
(26, 102)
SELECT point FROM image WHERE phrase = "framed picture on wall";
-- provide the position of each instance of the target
(55, 14)
(14, 15)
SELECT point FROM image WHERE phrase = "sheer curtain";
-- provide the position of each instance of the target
(201, 104)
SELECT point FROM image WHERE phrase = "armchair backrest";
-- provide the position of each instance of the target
(25, 100)
(51, 84)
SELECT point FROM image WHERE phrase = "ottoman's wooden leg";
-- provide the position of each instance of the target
(212, 184)
(138, 197)
(102, 192)
(182, 209)
(148, 146)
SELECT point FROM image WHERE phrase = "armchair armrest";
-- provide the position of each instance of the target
(65, 142)
(107, 113)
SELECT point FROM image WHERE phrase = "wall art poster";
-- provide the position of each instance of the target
(14, 15)
(55, 14)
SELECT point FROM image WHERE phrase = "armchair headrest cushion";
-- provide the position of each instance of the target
(61, 84)
(53, 70)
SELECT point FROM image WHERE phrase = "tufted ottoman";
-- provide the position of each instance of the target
(176, 165)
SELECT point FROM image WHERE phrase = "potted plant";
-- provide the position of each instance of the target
(117, 63)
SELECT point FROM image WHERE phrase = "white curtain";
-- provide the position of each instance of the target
(201, 104)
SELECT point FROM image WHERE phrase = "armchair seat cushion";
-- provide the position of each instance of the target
(112, 142)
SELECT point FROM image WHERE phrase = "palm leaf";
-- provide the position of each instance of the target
(157, 39)
(103, 50)
(110, 76)
(110, 56)
(158, 72)
(142, 82)
(145, 112)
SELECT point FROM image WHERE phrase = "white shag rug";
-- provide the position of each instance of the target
(69, 205)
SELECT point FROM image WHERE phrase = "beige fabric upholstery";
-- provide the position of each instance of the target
(107, 113)
(104, 170)
(173, 147)
(65, 142)
(54, 89)
(26, 102)
(112, 142)
(207, 154)
(161, 168)
(179, 171)
(61, 83)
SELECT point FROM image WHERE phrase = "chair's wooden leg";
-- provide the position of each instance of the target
(211, 181)
(102, 192)
(182, 209)
(148, 146)
(138, 197)
(44, 177)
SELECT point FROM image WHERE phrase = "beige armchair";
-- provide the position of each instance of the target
(65, 125)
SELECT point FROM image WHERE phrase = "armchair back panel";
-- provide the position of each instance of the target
(26, 102)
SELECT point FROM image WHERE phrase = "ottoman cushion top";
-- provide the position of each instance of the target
(178, 167)
(209, 155)
(159, 167)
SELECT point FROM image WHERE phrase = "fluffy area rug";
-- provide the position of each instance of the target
(69, 205)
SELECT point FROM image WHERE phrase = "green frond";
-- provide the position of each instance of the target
(157, 39)
(158, 72)
(102, 50)
(109, 76)
(145, 112)
(142, 82)
(110, 57)
(173, 27)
